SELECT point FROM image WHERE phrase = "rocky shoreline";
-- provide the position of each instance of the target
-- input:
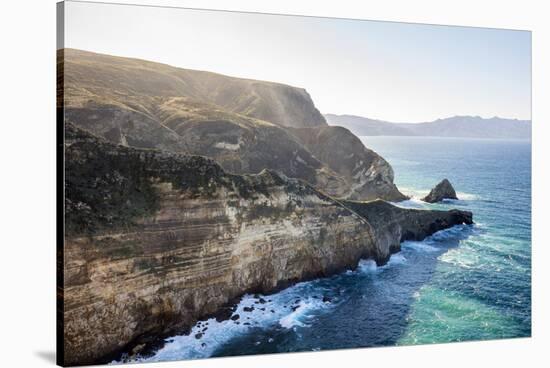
(156, 241)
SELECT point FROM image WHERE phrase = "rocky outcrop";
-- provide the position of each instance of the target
(239, 144)
(443, 190)
(155, 240)
(368, 174)
(392, 224)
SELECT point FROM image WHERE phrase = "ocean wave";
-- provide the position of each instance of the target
(290, 308)
(463, 196)
(457, 232)
(396, 259)
(367, 266)
(414, 192)
(416, 195)
(422, 246)
(412, 203)
(300, 315)
(460, 258)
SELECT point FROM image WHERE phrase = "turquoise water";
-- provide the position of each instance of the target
(464, 283)
(480, 289)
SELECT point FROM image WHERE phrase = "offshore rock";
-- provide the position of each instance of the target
(156, 240)
(443, 190)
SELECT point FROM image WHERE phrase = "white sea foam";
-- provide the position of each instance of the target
(416, 195)
(300, 315)
(467, 196)
(367, 266)
(396, 259)
(414, 192)
(423, 246)
(412, 203)
(459, 258)
(289, 308)
(454, 232)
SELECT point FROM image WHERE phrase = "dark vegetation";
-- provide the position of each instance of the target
(108, 186)
(245, 125)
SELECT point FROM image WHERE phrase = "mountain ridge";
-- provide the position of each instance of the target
(458, 126)
(148, 78)
(245, 125)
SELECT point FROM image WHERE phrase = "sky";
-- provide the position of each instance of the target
(391, 71)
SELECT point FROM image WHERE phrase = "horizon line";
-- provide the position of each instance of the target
(431, 121)
(280, 83)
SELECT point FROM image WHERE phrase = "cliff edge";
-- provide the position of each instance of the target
(155, 240)
(245, 125)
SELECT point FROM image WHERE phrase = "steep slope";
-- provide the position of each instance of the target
(242, 124)
(240, 144)
(456, 126)
(155, 240)
(343, 152)
(139, 85)
(148, 105)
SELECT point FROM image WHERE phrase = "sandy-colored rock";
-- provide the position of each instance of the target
(155, 240)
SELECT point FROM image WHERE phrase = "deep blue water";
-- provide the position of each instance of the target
(465, 283)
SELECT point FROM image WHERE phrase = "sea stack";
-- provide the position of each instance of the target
(443, 190)
(257, 233)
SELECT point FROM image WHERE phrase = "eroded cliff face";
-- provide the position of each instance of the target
(392, 224)
(245, 125)
(174, 237)
(155, 240)
(368, 174)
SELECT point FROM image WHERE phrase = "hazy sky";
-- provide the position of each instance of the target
(390, 71)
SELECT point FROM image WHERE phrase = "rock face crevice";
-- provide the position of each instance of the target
(155, 240)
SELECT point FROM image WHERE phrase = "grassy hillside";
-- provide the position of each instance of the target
(141, 85)
(245, 125)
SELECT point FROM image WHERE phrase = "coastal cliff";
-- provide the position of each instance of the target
(155, 240)
(369, 175)
(245, 125)
(392, 224)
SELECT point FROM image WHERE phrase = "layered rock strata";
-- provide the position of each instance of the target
(155, 240)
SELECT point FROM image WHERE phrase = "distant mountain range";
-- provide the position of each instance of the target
(456, 126)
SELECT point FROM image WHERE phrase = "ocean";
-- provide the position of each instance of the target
(461, 284)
